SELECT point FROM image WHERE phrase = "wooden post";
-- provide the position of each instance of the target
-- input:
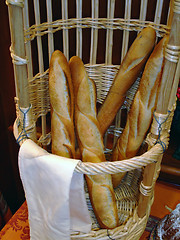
(172, 52)
(15, 9)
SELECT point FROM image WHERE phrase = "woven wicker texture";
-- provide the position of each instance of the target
(100, 33)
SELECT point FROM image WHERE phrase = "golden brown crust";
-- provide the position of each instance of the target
(141, 113)
(129, 70)
(91, 145)
(62, 104)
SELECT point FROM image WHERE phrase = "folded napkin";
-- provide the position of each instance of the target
(54, 194)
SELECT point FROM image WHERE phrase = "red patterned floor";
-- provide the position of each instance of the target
(18, 227)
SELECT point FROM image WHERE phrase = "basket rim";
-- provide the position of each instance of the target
(93, 23)
(112, 167)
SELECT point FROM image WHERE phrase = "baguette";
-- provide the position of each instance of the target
(62, 106)
(91, 145)
(129, 70)
(141, 113)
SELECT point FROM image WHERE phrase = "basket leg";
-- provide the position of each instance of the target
(15, 9)
(172, 53)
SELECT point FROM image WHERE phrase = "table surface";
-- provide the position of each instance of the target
(18, 226)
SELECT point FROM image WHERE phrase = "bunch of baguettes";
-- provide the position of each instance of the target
(74, 114)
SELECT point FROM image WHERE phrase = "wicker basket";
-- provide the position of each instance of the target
(83, 28)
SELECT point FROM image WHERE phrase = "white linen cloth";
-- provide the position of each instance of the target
(54, 194)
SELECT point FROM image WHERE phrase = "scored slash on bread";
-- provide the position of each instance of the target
(91, 145)
(62, 106)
